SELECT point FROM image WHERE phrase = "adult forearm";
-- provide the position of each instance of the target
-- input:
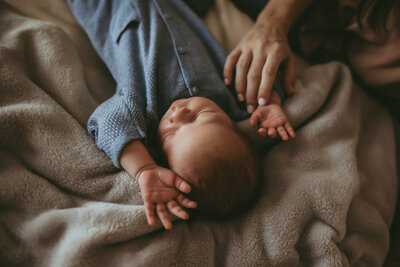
(284, 11)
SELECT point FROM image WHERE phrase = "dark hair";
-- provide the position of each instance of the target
(229, 184)
(377, 13)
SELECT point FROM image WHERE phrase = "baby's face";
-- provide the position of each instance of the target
(193, 132)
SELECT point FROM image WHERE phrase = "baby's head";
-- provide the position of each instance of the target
(204, 147)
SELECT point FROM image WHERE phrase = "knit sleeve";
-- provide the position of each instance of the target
(121, 118)
(116, 122)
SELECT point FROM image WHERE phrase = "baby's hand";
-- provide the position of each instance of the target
(256, 59)
(162, 191)
(271, 119)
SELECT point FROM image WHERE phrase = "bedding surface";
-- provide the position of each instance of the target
(327, 199)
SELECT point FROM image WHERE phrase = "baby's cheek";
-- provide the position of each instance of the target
(162, 129)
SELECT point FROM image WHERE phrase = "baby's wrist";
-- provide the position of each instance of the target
(146, 167)
(135, 158)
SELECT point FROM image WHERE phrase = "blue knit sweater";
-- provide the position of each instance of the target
(157, 51)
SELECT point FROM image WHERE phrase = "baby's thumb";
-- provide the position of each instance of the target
(254, 119)
(182, 185)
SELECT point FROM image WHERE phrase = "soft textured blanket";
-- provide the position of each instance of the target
(327, 200)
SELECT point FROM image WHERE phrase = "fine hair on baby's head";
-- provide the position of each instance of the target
(204, 147)
(227, 183)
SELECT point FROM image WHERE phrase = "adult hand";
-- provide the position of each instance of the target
(257, 58)
(162, 191)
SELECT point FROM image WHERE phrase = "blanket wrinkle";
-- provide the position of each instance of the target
(327, 199)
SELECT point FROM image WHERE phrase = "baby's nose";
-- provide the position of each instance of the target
(182, 114)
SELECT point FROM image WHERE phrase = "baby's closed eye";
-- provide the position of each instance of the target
(167, 134)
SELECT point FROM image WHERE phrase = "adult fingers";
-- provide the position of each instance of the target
(149, 208)
(269, 74)
(289, 75)
(290, 130)
(242, 67)
(174, 208)
(185, 202)
(230, 63)
(163, 215)
(253, 82)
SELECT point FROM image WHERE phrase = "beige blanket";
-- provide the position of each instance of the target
(328, 197)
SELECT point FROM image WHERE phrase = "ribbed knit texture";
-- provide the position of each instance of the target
(157, 51)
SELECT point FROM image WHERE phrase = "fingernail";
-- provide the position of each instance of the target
(250, 109)
(226, 81)
(262, 101)
(240, 97)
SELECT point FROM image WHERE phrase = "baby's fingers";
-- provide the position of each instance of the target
(185, 202)
(254, 119)
(272, 132)
(163, 215)
(262, 132)
(230, 65)
(174, 208)
(290, 130)
(282, 133)
(151, 220)
(182, 185)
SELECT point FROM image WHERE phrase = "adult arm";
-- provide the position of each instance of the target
(263, 51)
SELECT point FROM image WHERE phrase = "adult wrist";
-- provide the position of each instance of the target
(279, 20)
(283, 12)
(277, 14)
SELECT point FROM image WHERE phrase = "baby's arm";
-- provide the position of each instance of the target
(162, 190)
(271, 119)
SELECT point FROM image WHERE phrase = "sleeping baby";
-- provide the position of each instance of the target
(204, 147)
(170, 123)
(210, 160)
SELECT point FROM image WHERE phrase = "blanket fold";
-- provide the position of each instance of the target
(328, 195)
